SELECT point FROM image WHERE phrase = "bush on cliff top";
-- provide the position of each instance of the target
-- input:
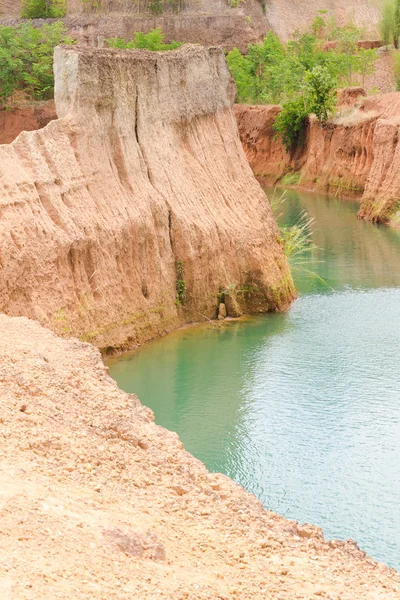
(43, 9)
(26, 60)
(154, 40)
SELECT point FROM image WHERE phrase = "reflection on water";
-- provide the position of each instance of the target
(302, 408)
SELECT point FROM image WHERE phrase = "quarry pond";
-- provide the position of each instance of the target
(301, 408)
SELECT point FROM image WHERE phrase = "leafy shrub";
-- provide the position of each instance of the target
(240, 69)
(180, 283)
(26, 60)
(291, 122)
(43, 9)
(154, 40)
(320, 95)
(291, 178)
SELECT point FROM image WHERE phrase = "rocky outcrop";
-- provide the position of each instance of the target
(354, 155)
(27, 117)
(99, 502)
(140, 184)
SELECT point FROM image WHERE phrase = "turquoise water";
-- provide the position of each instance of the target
(301, 408)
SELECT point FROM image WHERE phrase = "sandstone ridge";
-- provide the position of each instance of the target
(141, 178)
(99, 502)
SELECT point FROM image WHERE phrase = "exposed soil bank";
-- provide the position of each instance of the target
(140, 188)
(29, 117)
(354, 155)
(99, 502)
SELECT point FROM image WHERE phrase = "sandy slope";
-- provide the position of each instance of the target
(96, 501)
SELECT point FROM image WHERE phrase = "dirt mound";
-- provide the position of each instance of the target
(141, 184)
(99, 502)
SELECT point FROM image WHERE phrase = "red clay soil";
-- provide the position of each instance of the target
(28, 117)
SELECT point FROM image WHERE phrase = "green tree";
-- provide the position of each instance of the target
(154, 40)
(43, 9)
(390, 22)
(365, 63)
(240, 69)
(291, 122)
(273, 72)
(26, 59)
(320, 92)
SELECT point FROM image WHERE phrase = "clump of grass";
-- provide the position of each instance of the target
(297, 239)
(291, 179)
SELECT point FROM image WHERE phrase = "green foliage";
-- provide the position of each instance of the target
(300, 75)
(390, 22)
(396, 24)
(43, 9)
(180, 283)
(156, 7)
(26, 60)
(291, 122)
(396, 68)
(240, 69)
(296, 239)
(154, 40)
(387, 21)
(273, 72)
(365, 63)
(291, 178)
(320, 95)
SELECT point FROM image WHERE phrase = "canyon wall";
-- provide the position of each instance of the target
(228, 23)
(99, 502)
(140, 183)
(354, 155)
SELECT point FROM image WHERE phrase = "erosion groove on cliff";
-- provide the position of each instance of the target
(354, 155)
(144, 168)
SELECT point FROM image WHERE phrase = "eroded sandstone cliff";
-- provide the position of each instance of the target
(354, 155)
(141, 178)
(96, 501)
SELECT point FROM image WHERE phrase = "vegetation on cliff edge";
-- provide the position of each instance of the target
(26, 60)
(154, 40)
(302, 74)
(43, 9)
